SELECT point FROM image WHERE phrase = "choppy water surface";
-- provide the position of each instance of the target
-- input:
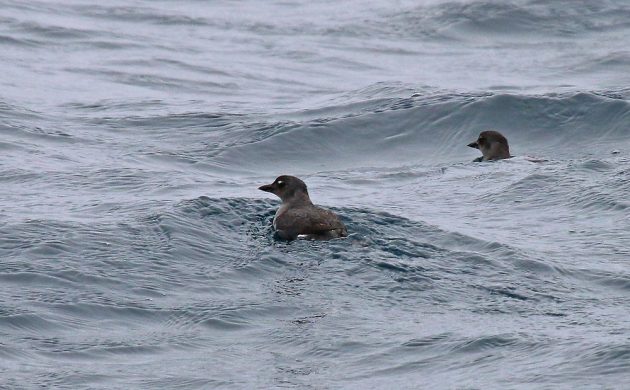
(136, 252)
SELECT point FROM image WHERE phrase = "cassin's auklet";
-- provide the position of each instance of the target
(493, 146)
(298, 216)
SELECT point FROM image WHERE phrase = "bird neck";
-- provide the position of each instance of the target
(497, 151)
(298, 198)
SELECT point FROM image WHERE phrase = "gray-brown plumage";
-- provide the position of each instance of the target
(493, 146)
(298, 215)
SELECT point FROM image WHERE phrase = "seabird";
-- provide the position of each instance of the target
(298, 216)
(493, 146)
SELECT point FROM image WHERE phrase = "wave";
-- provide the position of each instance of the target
(237, 235)
(436, 18)
(434, 129)
(506, 20)
(386, 125)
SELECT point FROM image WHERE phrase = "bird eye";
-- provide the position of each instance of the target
(481, 140)
(280, 183)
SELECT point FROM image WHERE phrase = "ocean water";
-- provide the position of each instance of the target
(137, 253)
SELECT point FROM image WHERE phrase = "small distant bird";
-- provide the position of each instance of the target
(298, 216)
(493, 146)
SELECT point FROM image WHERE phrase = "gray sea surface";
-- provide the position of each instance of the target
(137, 253)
